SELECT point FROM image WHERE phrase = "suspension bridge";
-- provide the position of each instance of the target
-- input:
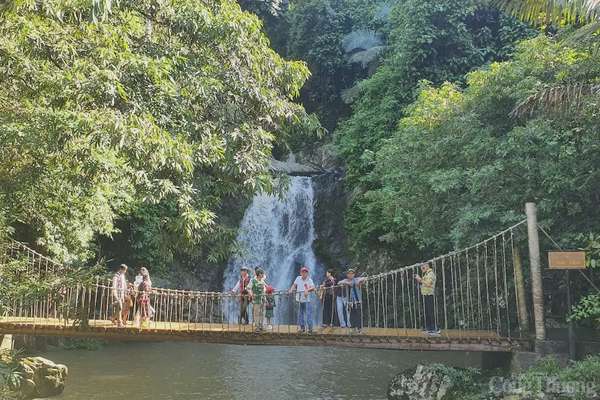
(481, 301)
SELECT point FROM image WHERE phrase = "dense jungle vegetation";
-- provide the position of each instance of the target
(137, 129)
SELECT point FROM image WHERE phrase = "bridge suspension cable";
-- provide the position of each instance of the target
(480, 292)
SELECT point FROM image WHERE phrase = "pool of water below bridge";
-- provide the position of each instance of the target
(186, 371)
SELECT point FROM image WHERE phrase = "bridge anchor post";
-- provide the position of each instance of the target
(536, 273)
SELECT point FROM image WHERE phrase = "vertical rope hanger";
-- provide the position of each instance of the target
(368, 293)
(487, 287)
(445, 300)
(384, 296)
(459, 281)
(416, 298)
(469, 294)
(420, 303)
(517, 297)
(496, 287)
(453, 291)
(410, 299)
(506, 294)
(479, 305)
(395, 300)
(403, 306)
(435, 296)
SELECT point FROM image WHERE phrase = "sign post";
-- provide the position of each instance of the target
(566, 259)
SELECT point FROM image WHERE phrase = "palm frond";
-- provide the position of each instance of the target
(593, 6)
(361, 40)
(555, 99)
(585, 36)
(364, 58)
(549, 11)
(384, 10)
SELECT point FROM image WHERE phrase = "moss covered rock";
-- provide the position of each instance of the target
(41, 378)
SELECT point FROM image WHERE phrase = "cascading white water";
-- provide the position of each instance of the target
(277, 234)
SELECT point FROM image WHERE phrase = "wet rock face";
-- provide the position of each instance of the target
(420, 383)
(41, 378)
(330, 203)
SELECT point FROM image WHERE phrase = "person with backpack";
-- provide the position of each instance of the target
(269, 306)
(256, 290)
(353, 287)
(303, 286)
(241, 287)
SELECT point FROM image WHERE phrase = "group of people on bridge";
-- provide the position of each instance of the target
(127, 296)
(341, 299)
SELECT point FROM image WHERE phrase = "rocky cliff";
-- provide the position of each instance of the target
(330, 203)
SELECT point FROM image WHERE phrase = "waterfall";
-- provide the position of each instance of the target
(277, 234)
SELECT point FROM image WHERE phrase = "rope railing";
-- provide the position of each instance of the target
(479, 290)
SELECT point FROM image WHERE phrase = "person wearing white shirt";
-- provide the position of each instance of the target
(119, 288)
(304, 287)
(241, 287)
(139, 278)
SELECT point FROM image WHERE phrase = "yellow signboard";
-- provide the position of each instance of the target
(566, 259)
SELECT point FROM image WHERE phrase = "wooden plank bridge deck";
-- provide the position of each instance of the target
(282, 335)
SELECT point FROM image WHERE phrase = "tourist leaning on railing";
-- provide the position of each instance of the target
(341, 304)
(303, 286)
(354, 299)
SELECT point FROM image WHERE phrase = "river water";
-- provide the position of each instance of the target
(186, 371)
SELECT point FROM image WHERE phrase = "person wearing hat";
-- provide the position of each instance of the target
(119, 289)
(427, 283)
(353, 291)
(303, 286)
(256, 290)
(241, 287)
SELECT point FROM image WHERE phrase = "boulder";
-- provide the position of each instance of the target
(41, 378)
(420, 383)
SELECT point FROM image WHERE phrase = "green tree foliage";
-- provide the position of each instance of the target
(432, 40)
(154, 113)
(317, 31)
(458, 168)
